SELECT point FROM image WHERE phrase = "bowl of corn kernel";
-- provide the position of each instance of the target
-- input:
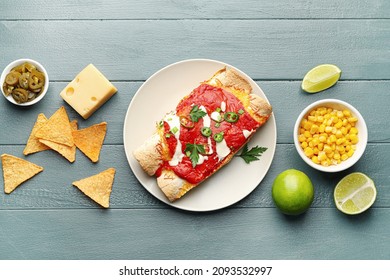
(330, 135)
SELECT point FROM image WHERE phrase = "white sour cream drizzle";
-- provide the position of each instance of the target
(174, 121)
(207, 123)
(247, 133)
(223, 106)
(222, 150)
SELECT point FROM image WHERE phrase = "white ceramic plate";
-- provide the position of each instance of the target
(159, 95)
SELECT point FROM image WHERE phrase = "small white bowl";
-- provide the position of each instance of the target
(360, 125)
(19, 62)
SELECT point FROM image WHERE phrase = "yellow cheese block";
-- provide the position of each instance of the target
(88, 91)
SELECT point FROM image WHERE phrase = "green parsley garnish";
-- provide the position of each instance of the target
(252, 154)
(196, 113)
(193, 151)
(174, 130)
(241, 111)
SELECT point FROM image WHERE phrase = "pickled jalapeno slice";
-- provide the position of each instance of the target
(12, 78)
(23, 80)
(20, 95)
(36, 80)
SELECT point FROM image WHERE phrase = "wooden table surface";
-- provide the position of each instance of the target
(275, 43)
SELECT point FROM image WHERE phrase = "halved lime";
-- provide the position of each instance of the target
(320, 78)
(355, 193)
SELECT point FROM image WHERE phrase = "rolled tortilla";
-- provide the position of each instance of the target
(154, 151)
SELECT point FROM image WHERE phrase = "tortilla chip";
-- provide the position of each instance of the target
(57, 129)
(67, 152)
(16, 171)
(90, 140)
(33, 145)
(98, 187)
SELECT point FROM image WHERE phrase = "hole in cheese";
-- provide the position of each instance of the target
(69, 91)
(93, 98)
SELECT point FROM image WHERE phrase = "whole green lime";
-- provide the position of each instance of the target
(292, 192)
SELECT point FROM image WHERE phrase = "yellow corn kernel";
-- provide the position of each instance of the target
(352, 119)
(322, 138)
(315, 159)
(350, 153)
(309, 152)
(322, 156)
(336, 156)
(320, 119)
(301, 138)
(344, 157)
(338, 125)
(340, 114)
(325, 163)
(344, 130)
(333, 138)
(301, 130)
(340, 149)
(346, 113)
(354, 139)
(340, 141)
(327, 149)
(316, 151)
(307, 134)
(315, 141)
(353, 130)
(304, 145)
(320, 146)
(348, 148)
(307, 125)
(314, 129)
(312, 118)
(339, 134)
(321, 128)
(328, 129)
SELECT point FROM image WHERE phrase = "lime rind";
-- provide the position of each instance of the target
(355, 193)
(320, 78)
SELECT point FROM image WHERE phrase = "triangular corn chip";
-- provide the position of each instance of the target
(16, 171)
(57, 129)
(90, 140)
(67, 152)
(98, 187)
(33, 145)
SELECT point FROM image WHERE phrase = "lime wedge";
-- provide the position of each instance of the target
(355, 193)
(320, 78)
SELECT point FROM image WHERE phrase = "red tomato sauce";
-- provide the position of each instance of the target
(211, 98)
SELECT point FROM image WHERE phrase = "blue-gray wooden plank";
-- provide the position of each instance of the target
(52, 188)
(264, 49)
(261, 233)
(163, 9)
